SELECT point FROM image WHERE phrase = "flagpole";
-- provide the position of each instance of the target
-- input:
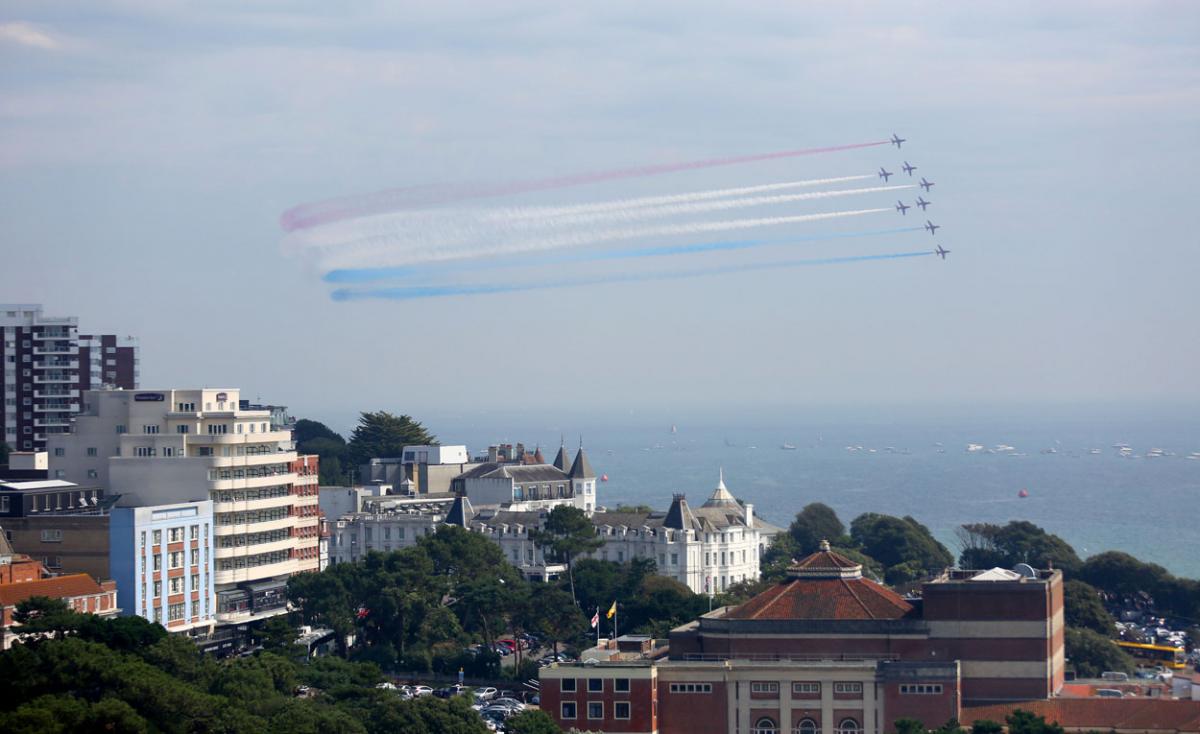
(597, 626)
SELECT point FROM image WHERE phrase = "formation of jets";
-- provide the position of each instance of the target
(903, 208)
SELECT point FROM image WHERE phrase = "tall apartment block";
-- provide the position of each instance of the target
(155, 447)
(45, 365)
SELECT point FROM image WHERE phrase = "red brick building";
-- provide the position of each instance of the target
(827, 650)
(81, 593)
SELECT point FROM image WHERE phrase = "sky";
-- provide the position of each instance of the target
(148, 150)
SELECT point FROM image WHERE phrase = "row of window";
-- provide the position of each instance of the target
(175, 560)
(245, 495)
(594, 685)
(804, 687)
(691, 688)
(261, 559)
(175, 535)
(252, 472)
(175, 585)
(252, 516)
(595, 710)
(237, 541)
(767, 725)
(921, 689)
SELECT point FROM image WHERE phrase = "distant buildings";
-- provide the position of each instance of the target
(45, 364)
(174, 447)
(827, 650)
(62, 525)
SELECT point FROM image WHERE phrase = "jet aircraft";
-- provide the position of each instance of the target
(926, 184)
(933, 228)
(922, 203)
(909, 169)
(902, 207)
(896, 140)
(942, 252)
(884, 173)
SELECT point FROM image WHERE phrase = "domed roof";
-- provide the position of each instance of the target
(721, 496)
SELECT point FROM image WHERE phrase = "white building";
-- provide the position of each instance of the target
(708, 548)
(385, 524)
(530, 487)
(162, 560)
(156, 447)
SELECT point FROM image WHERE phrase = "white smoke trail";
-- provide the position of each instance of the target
(452, 228)
(392, 251)
(617, 204)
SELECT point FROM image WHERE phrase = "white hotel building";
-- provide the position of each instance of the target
(155, 447)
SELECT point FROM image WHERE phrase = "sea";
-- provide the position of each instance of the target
(1076, 481)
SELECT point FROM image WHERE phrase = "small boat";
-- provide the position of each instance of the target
(973, 448)
(604, 477)
(1023, 493)
(674, 430)
(788, 447)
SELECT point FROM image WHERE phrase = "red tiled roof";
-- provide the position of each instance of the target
(1103, 714)
(79, 584)
(824, 598)
(824, 559)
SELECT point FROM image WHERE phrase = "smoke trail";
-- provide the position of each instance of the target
(458, 227)
(391, 248)
(312, 214)
(370, 275)
(616, 204)
(436, 291)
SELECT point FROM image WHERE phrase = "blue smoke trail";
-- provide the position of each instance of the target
(370, 275)
(409, 293)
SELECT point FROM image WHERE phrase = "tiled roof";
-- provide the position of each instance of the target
(1103, 714)
(79, 584)
(824, 559)
(582, 468)
(824, 598)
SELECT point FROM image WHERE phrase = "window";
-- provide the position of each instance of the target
(848, 726)
(806, 726)
(691, 688)
(674, 559)
(595, 684)
(195, 582)
(177, 585)
(176, 559)
(195, 532)
(847, 687)
(567, 685)
(174, 612)
(806, 688)
(143, 539)
(621, 685)
(52, 536)
(921, 689)
(143, 451)
(157, 537)
(595, 709)
(158, 588)
(93, 474)
(764, 687)
(181, 428)
(60, 452)
(621, 710)
(765, 725)
(195, 556)
(217, 428)
(120, 428)
(568, 710)
(157, 562)
(149, 429)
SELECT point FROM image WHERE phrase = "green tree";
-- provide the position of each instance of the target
(1025, 722)
(986, 545)
(814, 523)
(307, 430)
(313, 437)
(909, 726)
(1084, 609)
(1091, 653)
(987, 726)
(42, 614)
(277, 635)
(894, 541)
(532, 721)
(567, 534)
(383, 434)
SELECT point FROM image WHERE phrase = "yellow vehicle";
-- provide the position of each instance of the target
(1166, 655)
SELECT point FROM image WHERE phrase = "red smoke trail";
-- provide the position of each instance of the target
(348, 207)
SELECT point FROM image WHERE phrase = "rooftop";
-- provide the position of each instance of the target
(61, 587)
(1101, 714)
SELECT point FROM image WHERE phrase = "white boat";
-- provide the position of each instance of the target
(973, 448)
(788, 447)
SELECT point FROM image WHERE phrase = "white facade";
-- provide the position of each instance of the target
(162, 560)
(158, 446)
(384, 525)
(435, 455)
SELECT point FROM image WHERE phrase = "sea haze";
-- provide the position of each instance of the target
(1096, 502)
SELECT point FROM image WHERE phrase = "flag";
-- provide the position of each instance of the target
(362, 612)
(596, 619)
(612, 610)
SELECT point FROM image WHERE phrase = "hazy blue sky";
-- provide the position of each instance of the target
(147, 149)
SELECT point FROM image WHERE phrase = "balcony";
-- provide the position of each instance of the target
(49, 378)
(251, 482)
(68, 408)
(55, 349)
(280, 457)
(266, 503)
(283, 523)
(56, 393)
(256, 573)
(43, 422)
(255, 548)
(56, 364)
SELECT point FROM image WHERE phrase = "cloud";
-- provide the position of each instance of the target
(25, 34)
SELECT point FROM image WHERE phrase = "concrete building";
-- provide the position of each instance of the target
(162, 560)
(158, 447)
(45, 364)
(418, 470)
(385, 524)
(827, 650)
(530, 487)
(61, 524)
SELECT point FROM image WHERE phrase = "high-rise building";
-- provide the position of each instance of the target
(45, 364)
(155, 447)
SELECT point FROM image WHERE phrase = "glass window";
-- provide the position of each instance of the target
(595, 709)
(568, 710)
(621, 685)
(806, 726)
(765, 725)
(621, 710)
(568, 685)
(595, 684)
(848, 726)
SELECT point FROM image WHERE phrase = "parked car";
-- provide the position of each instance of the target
(486, 693)
(421, 690)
